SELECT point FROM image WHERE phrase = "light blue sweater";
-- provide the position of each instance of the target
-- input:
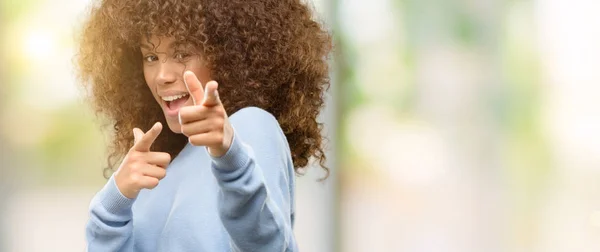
(242, 201)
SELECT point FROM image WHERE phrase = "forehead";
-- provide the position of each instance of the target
(156, 42)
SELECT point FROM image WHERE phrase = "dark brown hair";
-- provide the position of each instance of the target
(270, 54)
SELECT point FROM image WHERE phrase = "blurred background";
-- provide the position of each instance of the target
(453, 125)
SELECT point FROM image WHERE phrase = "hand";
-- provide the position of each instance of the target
(142, 168)
(205, 123)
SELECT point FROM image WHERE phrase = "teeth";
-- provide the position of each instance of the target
(174, 97)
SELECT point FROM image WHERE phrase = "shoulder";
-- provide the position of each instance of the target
(254, 119)
(257, 126)
(253, 114)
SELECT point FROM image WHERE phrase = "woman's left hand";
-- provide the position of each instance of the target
(205, 123)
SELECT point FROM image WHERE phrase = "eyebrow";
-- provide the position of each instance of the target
(145, 46)
(148, 47)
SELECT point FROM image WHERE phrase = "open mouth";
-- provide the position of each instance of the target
(174, 103)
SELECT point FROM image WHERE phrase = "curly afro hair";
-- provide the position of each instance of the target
(270, 54)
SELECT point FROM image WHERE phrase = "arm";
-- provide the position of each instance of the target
(256, 177)
(252, 166)
(109, 227)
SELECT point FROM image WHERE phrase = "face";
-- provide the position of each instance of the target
(164, 65)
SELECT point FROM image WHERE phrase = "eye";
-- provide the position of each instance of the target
(150, 58)
(181, 55)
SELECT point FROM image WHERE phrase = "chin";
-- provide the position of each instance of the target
(174, 126)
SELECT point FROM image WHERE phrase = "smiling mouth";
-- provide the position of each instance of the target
(174, 103)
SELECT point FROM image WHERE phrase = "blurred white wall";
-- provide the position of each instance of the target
(569, 42)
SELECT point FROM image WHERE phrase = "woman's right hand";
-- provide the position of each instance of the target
(142, 168)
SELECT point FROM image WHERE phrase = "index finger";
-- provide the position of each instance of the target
(149, 137)
(193, 86)
(211, 95)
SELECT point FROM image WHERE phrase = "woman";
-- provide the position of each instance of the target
(239, 85)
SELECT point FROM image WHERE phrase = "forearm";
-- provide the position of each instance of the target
(253, 219)
(109, 227)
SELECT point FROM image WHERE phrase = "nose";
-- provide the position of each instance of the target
(167, 72)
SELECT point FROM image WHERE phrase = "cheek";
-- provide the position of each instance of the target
(146, 76)
(202, 72)
(204, 75)
(149, 81)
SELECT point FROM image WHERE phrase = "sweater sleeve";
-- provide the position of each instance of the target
(109, 227)
(256, 179)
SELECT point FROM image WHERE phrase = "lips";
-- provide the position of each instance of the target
(177, 103)
(174, 102)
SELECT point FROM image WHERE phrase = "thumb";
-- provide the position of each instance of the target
(193, 86)
(137, 135)
(211, 95)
